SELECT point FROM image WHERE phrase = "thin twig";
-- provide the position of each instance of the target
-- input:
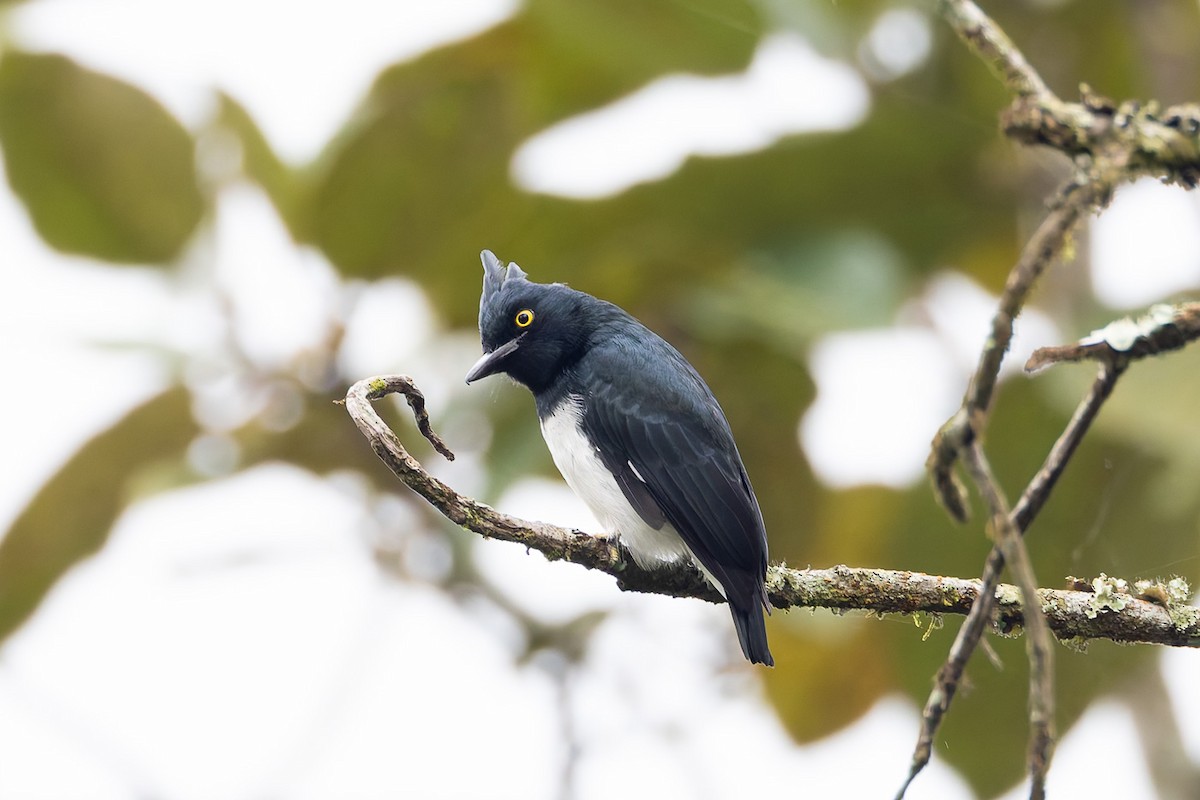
(1038, 643)
(1039, 488)
(1075, 201)
(1030, 503)
(988, 41)
(1163, 329)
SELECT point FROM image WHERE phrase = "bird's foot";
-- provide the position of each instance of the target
(615, 553)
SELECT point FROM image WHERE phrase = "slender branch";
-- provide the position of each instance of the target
(986, 39)
(1010, 547)
(556, 543)
(1038, 644)
(1075, 202)
(1039, 488)
(1162, 329)
(1071, 614)
(1030, 503)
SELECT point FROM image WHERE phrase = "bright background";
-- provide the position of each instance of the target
(811, 201)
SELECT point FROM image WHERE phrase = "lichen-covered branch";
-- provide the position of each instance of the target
(1144, 137)
(988, 41)
(1071, 613)
(1160, 330)
(1151, 140)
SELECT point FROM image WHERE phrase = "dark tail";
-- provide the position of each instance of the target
(752, 633)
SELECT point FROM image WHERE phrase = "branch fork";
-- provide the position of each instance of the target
(1111, 144)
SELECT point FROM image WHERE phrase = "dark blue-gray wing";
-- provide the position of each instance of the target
(680, 455)
(660, 432)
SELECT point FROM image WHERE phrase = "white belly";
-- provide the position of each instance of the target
(591, 481)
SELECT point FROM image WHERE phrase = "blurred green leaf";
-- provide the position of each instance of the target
(429, 150)
(70, 517)
(1154, 408)
(837, 660)
(103, 168)
(845, 281)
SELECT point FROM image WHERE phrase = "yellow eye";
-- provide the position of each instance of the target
(524, 318)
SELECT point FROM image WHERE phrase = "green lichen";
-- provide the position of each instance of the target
(470, 519)
(1178, 590)
(1053, 605)
(1110, 593)
(1186, 618)
(1077, 643)
(1008, 595)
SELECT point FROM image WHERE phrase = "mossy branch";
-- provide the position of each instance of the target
(1073, 614)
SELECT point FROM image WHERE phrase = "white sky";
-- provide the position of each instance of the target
(787, 89)
(235, 639)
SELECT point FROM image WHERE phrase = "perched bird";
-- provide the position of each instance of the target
(636, 433)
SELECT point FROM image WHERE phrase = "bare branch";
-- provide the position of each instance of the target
(985, 38)
(1038, 645)
(556, 543)
(1039, 488)
(1030, 503)
(1075, 202)
(1010, 547)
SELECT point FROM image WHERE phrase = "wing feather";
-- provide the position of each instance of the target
(677, 439)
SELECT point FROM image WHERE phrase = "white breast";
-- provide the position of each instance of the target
(591, 481)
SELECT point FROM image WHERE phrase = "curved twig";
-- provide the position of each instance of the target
(1075, 202)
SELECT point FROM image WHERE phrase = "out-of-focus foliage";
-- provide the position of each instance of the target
(103, 169)
(69, 519)
(742, 262)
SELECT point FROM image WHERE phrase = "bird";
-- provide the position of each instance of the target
(636, 433)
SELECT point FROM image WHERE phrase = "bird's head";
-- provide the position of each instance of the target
(531, 331)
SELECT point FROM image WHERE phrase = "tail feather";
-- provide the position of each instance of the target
(752, 633)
